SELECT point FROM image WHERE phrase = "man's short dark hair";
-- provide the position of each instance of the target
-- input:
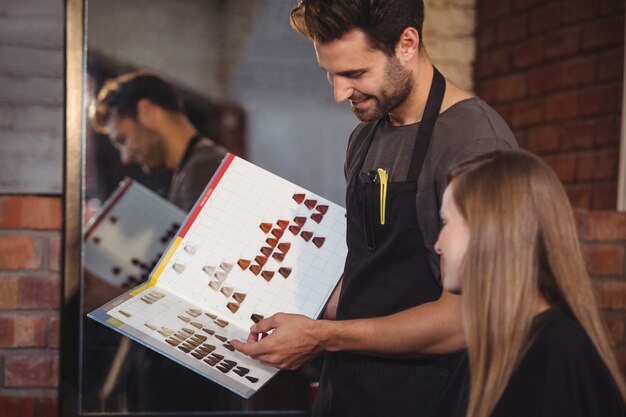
(383, 21)
(120, 96)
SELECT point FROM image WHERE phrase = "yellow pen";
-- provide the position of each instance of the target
(384, 178)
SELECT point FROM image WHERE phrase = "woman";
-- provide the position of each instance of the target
(536, 343)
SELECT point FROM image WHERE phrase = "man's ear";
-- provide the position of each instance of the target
(147, 112)
(408, 45)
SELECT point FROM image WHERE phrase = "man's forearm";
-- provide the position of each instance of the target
(431, 328)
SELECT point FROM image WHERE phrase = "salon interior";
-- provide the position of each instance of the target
(553, 69)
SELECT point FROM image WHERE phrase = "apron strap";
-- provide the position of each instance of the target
(361, 153)
(427, 125)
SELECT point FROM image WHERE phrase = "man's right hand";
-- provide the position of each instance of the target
(284, 341)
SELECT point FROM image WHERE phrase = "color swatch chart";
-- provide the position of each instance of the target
(254, 245)
(125, 241)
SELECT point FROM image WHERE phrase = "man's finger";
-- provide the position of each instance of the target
(264, 325)
(250, 349)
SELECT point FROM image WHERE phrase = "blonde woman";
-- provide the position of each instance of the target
(536, 344)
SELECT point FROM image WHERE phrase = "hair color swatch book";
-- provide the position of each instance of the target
(253, 245)
(130, 233)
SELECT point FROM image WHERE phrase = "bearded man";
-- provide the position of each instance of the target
(390, 330)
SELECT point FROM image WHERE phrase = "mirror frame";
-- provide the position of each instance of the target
(73, 169)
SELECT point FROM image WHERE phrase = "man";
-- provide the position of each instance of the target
(144, 118)
(391, 312)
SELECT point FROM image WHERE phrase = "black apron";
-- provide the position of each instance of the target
(386, 271)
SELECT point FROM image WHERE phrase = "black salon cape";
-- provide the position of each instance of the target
(561, 375)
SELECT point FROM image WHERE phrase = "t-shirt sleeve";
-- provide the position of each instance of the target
(468, 151)
(196, 177)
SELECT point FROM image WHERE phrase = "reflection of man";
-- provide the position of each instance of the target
(390, 305)
(143, 117)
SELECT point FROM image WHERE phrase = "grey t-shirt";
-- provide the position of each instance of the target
(466, 129)
(188, 184)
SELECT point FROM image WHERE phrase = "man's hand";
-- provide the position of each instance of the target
(285, 341)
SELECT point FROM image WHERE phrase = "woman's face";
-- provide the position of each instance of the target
(452, 242)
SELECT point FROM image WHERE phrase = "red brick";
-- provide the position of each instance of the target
(49, 407)
(578, 135)
(604, 197)
(28, 212)
(512, 28)
(603, 33)
(604, 259)
(31, 371)
(39, 293)
(526, 113)
(606, 165)
(544, 139)
(493, 9)
(54, 247)
(611, 65)
(487, 90)
(8, 292)
(598, 101)
(562, 107)
(578, 72)
(611, 7)
(20, 252)
(17, 406)
(53, 336)
(512, 87)
(525, 4)
(30, 331)
(605, 226)
(565, 42)
(585, 163)
(564, 166)
(615, 328)
(487, 37)
(579, 196)
(578, 10)
(610, 294)
(7, 331)
(607, 131)
(544, 80)
(528, 53)
(494, 62)
(546, 18)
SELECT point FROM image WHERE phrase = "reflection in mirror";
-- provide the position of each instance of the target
(248, 85)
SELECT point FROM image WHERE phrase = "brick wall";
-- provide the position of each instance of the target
(553, 69)
(31, 133)
(30, 244)
(603, 237)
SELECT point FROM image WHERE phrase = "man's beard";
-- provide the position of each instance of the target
(397, 88)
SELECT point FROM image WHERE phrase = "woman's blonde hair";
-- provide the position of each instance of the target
(523, 243)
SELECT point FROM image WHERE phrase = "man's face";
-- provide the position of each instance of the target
(136, 143)
(374, 83)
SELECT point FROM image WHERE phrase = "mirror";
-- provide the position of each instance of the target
(249, 83)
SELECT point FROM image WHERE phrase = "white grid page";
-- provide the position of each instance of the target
(228, 229)
(166, 313)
